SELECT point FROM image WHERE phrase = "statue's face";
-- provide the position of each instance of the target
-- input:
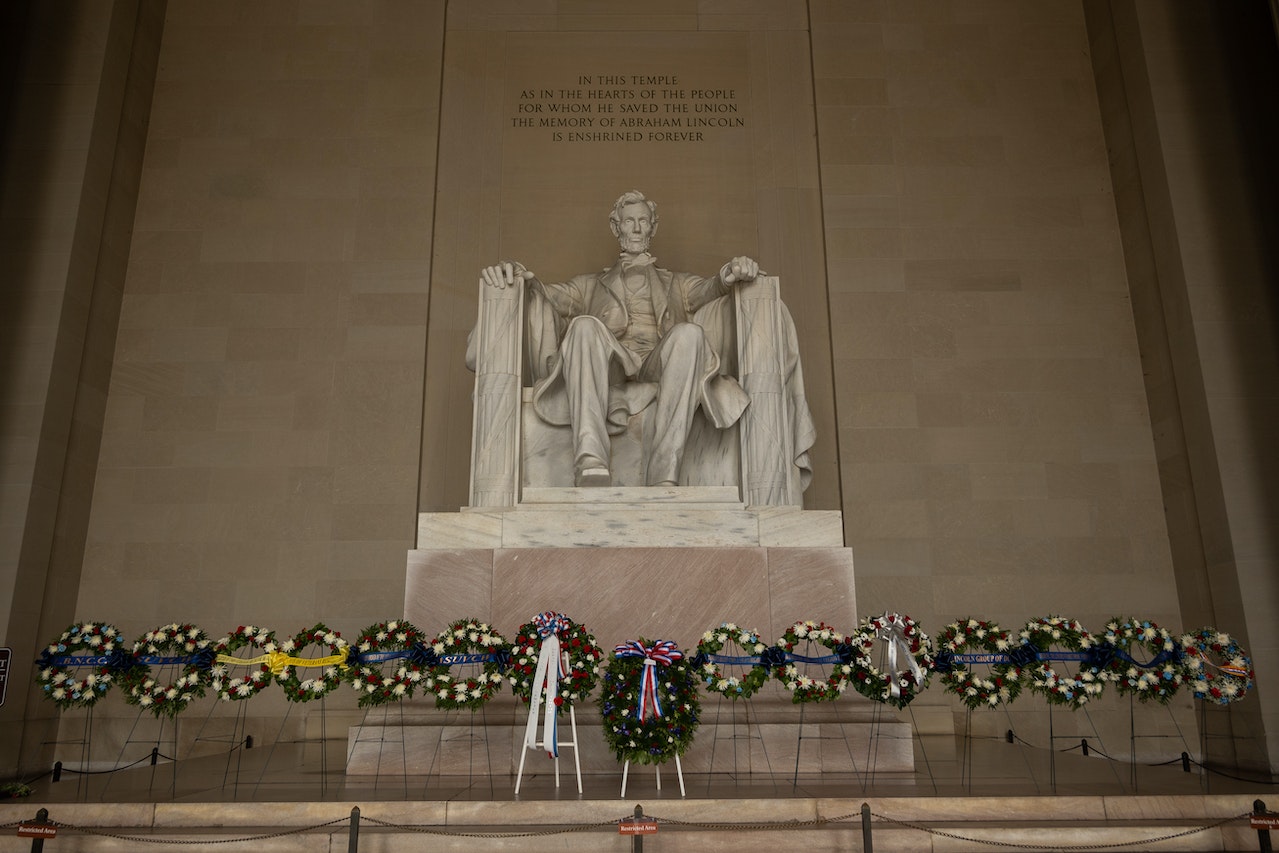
(634, 228)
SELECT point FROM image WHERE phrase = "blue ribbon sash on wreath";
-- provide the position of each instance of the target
(121, 660)
(1026, 655)
(77, 660)
(426, 656)
(771, 657)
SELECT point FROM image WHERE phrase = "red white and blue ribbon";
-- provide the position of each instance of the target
(546, 679)
(663, 653)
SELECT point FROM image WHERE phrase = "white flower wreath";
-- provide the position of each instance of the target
(1000, 686)
(910, 659)
(714, 678)
(463, 637)
(1223, 682)
(298, 689)
(1073, 691)
(804, 687)
(1159, 682)
(53, 672)
(183, 642)
(376, 684)
(233, 688)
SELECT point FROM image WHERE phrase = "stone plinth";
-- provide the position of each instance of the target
(628, 562)
(657, 562)
(849, 740)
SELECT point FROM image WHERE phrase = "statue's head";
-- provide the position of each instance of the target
(633, 222)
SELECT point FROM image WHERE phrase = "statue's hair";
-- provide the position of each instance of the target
(632, 197)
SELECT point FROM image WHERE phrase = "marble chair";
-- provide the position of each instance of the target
(763, 455)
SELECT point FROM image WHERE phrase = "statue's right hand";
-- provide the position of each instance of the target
(504, 274)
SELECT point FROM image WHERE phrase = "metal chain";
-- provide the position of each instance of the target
(1023, 846)
(733, 827)
(429, 830)
(561, 830)
(144, 839)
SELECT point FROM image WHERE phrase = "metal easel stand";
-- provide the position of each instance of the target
(541, 746)
(657, 769)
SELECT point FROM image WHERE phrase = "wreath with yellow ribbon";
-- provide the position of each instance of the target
(287, 663)
(235, 688)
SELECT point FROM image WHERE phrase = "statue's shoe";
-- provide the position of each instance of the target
(594, 477)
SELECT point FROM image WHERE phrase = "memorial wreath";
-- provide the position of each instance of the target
(231, 688)
(383, 667)
(466, 642)
(908, 659)
(751, 655)
(977, 637)
(796, 642)
(331, 666)
(1039, 637)
(53, 669)
(1223, 682)
(185, 647)
(1160, 677)
(649, 702)
(577, 646)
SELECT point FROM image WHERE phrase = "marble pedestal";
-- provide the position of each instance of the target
(628, 562)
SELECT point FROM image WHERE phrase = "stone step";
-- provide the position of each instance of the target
(662, 524)
(654, 497)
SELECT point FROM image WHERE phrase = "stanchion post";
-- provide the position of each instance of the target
(637, 840)
(37, 844)
(155, 755)
(1263, 835)
(867, 842)
(1185, 762)
(57, 771)
(1083, 744)
(353, 840)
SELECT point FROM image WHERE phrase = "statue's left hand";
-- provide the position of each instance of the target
(738, 270)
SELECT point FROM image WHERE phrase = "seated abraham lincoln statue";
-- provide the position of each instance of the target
(605, 346)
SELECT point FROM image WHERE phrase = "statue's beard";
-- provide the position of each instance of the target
(634, 245)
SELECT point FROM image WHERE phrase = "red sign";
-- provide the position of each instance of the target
(1264, 821)
(637, 827)
(37, 830)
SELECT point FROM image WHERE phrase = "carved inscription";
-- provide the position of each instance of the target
(629, 108)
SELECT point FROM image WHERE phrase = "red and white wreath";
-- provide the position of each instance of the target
(168, 699)
(1217, 668)
(1049, 632)
(807, 685)
(299, 689)
(907, 657)
(1000, 685)
(234, 688)
(466, 638)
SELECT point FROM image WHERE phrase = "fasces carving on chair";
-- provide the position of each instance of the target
(635, 337)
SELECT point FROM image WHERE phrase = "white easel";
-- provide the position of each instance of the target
(541, 744)
(657, 768)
